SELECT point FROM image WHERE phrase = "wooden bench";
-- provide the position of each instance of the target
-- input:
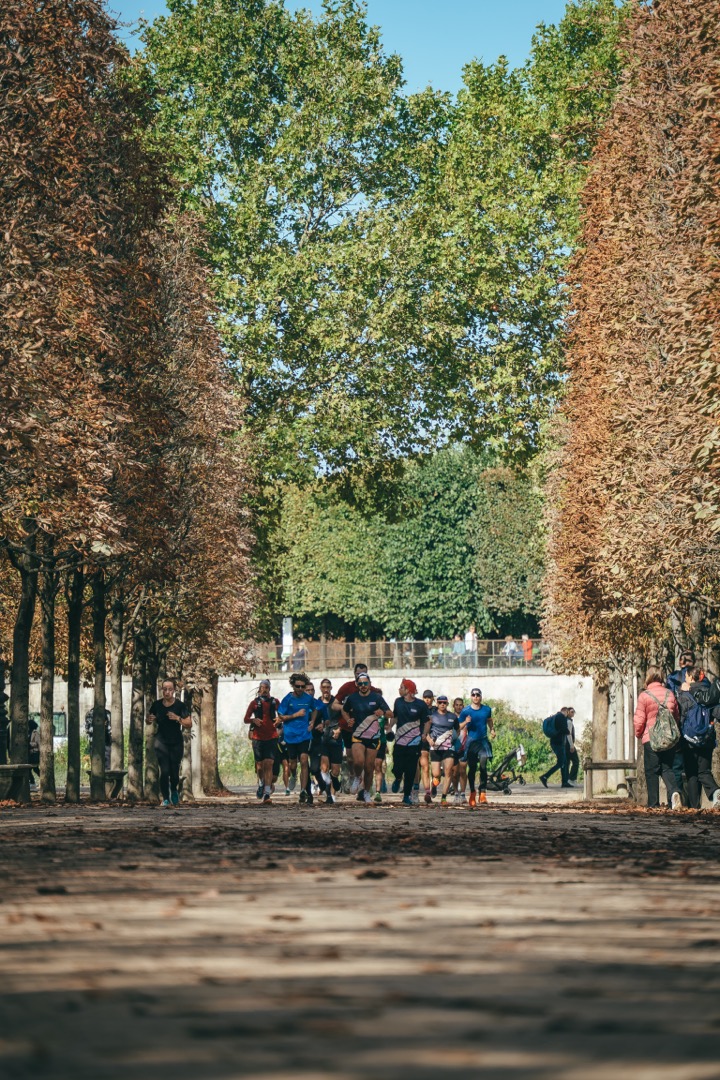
(14, 775)
(113, 782)
(590, 766)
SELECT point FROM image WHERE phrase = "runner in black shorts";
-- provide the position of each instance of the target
(261, 715)
(366, 710)
(331, 749)
(428, 698)
(460, 768)
(442, 729)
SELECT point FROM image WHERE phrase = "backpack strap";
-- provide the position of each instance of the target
(664, 700)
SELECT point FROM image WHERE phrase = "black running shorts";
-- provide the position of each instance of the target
(264, 749)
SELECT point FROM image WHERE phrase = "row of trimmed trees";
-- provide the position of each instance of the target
(124, 538)
(634, 560)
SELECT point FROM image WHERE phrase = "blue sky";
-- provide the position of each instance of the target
(435, 38)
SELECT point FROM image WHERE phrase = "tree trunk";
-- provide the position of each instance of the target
(3, 717)
(26, 566)
(74, 588)
(323, 646)
(600, 708)
(211, 782)
(152, 773)
(118, 641)
(196, 743)
(186, 769)
(137, 722)
(97, 750)
(47, 592)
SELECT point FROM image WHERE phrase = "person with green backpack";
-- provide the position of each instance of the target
(657, 724)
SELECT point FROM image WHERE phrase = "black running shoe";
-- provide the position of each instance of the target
(304, 796)
(543, 781)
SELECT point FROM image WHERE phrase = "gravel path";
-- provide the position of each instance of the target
(227, 939)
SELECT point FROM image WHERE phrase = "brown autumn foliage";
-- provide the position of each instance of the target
(634, 497)
(119, 450)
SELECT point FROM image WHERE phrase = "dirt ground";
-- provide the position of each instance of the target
(228, 939)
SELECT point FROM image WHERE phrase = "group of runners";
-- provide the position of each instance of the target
(444, 750)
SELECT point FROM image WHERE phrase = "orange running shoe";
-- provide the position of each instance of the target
(483, 798)
(472, 800)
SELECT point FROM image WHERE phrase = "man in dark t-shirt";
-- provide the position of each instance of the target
(171, 716)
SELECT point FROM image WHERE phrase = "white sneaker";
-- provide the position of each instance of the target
(314, 788)
(367, 797)
(463, 797)
(676, 801)
(716, 798)
(355, 786)
(457, 801)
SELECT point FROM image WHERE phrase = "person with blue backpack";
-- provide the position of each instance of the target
(557, 728)
(697, 724)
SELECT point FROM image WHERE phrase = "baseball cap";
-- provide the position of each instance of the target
(442, 697)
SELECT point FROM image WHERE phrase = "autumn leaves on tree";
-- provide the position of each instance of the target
(121, 464)
(634, 502)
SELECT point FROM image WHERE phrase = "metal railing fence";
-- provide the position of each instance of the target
(398, 655)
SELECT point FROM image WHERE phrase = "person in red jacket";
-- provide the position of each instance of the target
(657, 763)
(261, 716)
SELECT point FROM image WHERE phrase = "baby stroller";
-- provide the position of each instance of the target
(508, 771)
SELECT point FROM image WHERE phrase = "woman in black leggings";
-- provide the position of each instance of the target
(171, 717)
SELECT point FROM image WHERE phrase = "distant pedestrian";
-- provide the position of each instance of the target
(471, 646)
(697, 721)
(557, 729)
(527, 648)
(573, 756)
(171, 716)
(656, 700)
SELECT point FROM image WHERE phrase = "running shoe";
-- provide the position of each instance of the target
(266, 798)
(166, 802)
(367, 797)
(472, 801)
(428, 797)
(329, 798)
(293, 782)
(383, 786)
(360, 796)
(174, 798)
(676, 801)
(415, 797)
(443, 802)
(407, 801)
(314, 788)
(463, 797)
(287, 790)
(378, 797)
(309, 800)
(303, 796)
(482, 799)
(457, 800)
(326, 777)
(716, 798)
(355, 786)
(259, 792)
(396, 786)
(543, 781)
(435, 786)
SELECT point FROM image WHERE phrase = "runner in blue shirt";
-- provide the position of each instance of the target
(296, 712)
(476, 719)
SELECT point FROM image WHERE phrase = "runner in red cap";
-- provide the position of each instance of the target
(410, 716)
